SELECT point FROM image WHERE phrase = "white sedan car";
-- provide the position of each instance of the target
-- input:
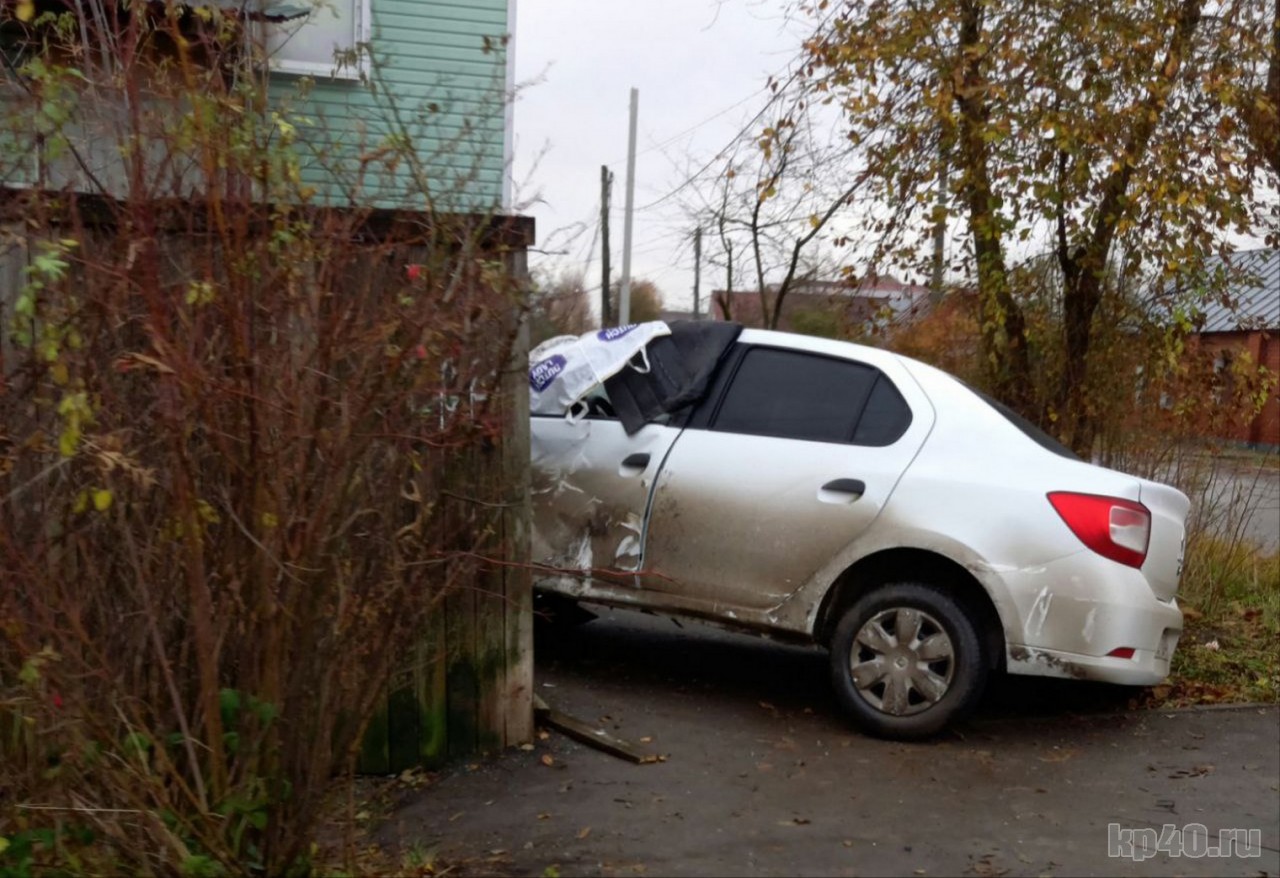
(831, 493)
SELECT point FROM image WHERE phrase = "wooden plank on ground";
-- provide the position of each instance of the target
(594, 737)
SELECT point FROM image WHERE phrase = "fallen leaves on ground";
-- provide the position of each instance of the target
(1058, 755)
(1225, 657)
(1194, 771)
(984, 868)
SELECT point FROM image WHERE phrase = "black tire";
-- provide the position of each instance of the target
(913, 691)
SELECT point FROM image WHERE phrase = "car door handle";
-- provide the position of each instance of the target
(634, 464)
(851, 488)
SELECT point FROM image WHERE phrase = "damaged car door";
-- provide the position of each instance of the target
(591, 484)
(776, 474)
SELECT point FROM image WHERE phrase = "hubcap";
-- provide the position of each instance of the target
(902, 661)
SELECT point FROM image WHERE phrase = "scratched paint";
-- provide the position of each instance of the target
(1039, 612)
(589, 506)
(1090, 621)
(1034, 661)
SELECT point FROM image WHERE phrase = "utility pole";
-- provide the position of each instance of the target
(606, 183)
(624, 297)
(697, 270)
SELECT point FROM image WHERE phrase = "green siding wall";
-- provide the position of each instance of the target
(431, 78)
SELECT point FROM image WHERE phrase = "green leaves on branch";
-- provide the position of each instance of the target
(48, 265)
(1070, 131)
(76, 415)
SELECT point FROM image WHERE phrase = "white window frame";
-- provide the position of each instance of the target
(362, 33)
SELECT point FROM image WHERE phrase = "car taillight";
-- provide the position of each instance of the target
(1114, 528)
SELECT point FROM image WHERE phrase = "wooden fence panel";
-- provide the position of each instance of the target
(517, 519)
(468, 687)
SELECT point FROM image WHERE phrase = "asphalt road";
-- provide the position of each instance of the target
(762, 776)
(1260, 490)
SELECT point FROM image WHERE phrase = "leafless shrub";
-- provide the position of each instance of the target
(227, 416)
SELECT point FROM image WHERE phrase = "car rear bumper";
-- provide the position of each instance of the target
(1075, 613)
(1146, 668)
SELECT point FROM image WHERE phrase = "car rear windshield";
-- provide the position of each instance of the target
(1040, 437)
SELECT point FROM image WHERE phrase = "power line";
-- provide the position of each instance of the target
(707, 121)
(591, 251)
(777, 93)
(587, 223)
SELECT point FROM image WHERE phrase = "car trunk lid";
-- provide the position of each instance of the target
(1169, 508)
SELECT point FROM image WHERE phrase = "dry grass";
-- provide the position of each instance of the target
(1230, 649)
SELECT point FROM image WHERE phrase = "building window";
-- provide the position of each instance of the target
(330, 41)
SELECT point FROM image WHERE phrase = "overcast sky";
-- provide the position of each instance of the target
(701, 67)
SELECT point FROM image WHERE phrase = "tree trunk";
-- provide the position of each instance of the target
(726, 300)
(1082, 292)
(1004, 345)
(1084, 269)
(1267, 126)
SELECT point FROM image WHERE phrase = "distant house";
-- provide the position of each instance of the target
(849, 306)
(667, 315)
(1246, 320)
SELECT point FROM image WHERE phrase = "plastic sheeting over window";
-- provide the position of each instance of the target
(647, 369)
(681, 366)
(565, 369)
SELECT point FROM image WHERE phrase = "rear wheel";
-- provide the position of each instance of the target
(906, 661)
